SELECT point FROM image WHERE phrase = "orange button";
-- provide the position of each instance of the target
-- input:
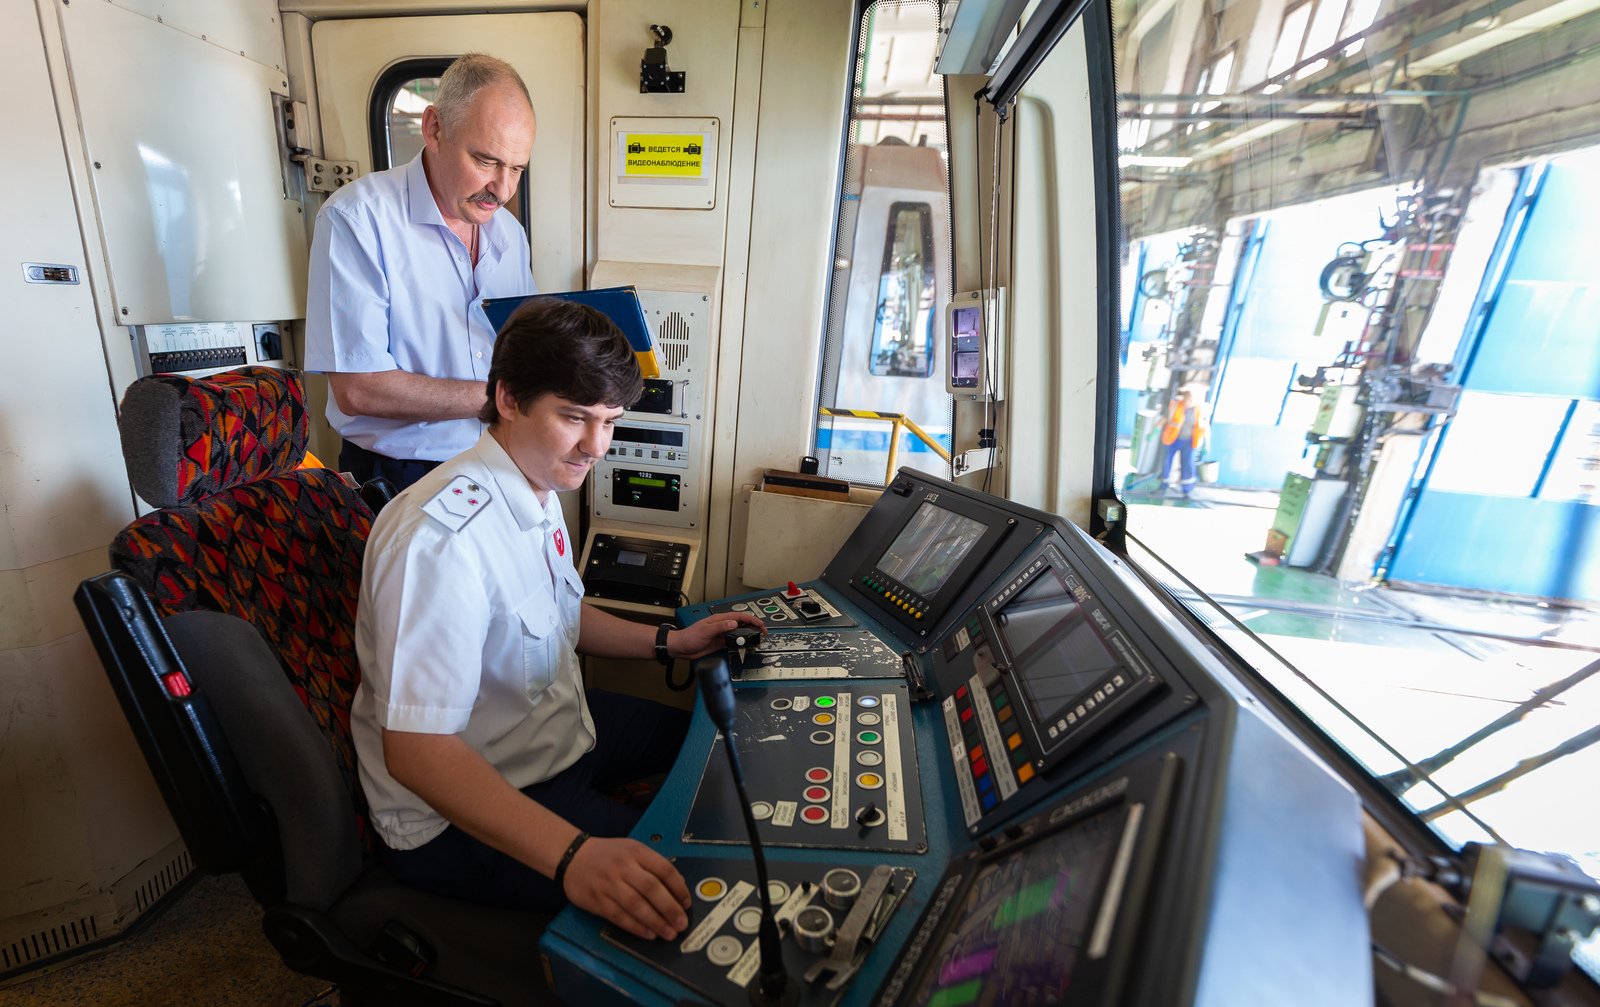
(1025, 772)
(1004, 714)
(976, 753)
(1014, 740)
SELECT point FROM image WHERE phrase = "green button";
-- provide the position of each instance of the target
(825, 701)
(769, 608)
(868, 737)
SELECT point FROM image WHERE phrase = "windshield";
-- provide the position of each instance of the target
(1358, 422)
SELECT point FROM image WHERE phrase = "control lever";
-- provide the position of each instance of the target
(734, 643)
(774, 987)
(877, 902)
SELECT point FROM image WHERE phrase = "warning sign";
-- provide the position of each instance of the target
(663, 155)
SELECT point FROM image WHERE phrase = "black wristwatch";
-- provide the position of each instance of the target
(661, 644)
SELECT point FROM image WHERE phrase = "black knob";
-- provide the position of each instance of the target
(867, 814)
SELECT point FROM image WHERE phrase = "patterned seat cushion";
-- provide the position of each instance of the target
(283, 554)
(244, 532)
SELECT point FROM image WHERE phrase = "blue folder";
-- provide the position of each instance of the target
(620, 304)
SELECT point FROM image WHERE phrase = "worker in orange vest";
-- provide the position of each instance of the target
(1184, 433)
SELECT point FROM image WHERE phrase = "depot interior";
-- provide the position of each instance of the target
(1041, 707)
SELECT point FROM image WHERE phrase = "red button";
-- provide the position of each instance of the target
(961, 693)
(818, 775)
(966, 714)
(815, 814)
(818, 794)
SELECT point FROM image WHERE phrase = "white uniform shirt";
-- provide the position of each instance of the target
(468, 624)
(391, 286)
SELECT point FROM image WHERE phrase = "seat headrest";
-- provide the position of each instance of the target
(184, 439)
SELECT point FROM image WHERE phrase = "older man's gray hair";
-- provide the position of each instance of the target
(464, 78)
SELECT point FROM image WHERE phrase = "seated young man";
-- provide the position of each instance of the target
(482, 758)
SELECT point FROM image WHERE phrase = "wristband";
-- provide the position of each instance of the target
(661, 644)
(566, 860)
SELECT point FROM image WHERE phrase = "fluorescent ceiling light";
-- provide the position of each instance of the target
(1150, 161)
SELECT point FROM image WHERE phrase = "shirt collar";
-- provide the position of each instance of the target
(424, 209)
(514, 487)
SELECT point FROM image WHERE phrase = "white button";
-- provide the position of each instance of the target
(480, 354)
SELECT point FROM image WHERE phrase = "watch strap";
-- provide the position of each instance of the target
(661, 644)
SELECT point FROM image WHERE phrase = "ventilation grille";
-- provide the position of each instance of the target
(162, 881)
(47, 943)
(673, 334)
(18, 951)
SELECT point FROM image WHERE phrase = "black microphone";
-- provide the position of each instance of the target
(775, 988)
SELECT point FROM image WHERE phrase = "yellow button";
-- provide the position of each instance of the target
(917, 614)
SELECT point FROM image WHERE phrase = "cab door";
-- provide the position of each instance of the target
(350, 56)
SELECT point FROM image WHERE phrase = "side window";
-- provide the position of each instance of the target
(902, 330)
(882, 357)
(404, 133)
(400, 96)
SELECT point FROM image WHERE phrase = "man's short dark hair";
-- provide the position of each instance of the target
(550, 345)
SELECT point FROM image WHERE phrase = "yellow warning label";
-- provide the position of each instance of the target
(663, 155)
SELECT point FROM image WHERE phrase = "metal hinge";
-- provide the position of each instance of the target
(322, 174)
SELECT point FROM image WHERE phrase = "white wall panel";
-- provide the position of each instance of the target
(247, 27)
(190, 190)
(1054, 322)
(81, 811)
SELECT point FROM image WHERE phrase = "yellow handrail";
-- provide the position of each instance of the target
(896, 421)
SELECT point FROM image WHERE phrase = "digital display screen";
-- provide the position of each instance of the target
(627, 557)
(1055, 650)
(929, 548)
(642, 481)
(1018, 932)
(648, 435)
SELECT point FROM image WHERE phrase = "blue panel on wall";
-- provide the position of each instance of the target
(1544, 335)
(1256, 457)
(1511, 545)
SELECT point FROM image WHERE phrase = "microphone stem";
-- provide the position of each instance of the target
(773, 978)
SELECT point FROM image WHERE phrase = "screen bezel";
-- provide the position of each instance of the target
(996, 526)
(1151, 785)
(1143, 679)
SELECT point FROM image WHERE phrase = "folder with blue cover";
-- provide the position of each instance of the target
(620, 304)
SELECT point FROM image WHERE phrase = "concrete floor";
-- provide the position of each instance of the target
(205, 949)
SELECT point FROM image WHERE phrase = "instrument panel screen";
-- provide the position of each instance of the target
(1018, 931)
(1054, 649)
(930, 547)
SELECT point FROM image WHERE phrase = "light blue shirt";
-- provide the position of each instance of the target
(391, 286)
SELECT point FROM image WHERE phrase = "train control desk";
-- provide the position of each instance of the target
(989, 766)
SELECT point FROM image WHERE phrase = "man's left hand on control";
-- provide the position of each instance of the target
(705, 636)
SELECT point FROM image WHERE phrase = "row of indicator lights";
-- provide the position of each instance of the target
(864, 737)
(979, 759)
(823, 702)
(1087, 707)
(825, 718)
(892, 595)
(712, 889)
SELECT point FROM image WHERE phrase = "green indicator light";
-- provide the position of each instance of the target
(825, 701)
(869, 737)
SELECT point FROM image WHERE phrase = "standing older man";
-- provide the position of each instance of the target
(401, 260)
